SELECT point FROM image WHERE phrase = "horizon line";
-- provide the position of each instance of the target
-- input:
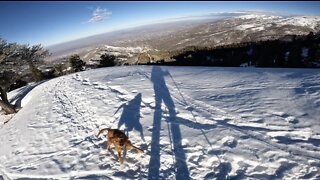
(174, 19)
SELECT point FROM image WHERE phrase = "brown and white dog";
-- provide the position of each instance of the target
(120, 141)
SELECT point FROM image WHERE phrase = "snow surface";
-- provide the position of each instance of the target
(192, 122)
(308, 21)
(266, 21)
(258, 16)
(253, 27)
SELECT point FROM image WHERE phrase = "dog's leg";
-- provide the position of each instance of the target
(119, 150)
(130, 146)
(139, 150)
(109, 143)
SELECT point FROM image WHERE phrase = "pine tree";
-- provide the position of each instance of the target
(295, 58)
(76, 63)
(107, 60)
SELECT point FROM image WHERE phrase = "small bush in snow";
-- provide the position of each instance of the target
(76, 63)
(107, 60)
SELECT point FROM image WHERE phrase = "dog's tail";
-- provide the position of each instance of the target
(131, 146)
(140, 150)
(102, 130)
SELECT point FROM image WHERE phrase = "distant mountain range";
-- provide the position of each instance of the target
(208, 30)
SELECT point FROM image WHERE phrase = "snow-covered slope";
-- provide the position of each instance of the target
(265, 21)
(201, 123)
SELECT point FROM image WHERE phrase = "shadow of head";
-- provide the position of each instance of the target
(157, 74)
(130, 116)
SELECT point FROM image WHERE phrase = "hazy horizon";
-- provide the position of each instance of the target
(159, 21)
(52, 23)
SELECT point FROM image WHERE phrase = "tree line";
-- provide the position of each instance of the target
(292, 51)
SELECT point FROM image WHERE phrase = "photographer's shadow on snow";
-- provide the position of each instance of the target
(130, 116)
(162, 94)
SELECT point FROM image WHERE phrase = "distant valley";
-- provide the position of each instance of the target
(201, 31)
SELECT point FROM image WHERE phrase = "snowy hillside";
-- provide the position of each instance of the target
(303, 21)
(193, 123)
(264, 21)
(122, 53)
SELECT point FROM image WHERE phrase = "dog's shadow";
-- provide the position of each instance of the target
(129, 159)
(110, 152)
(103, 147)
(107, 157)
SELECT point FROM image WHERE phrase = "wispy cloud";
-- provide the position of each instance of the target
(99, 14)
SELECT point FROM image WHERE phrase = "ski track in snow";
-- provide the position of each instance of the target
(210, 129)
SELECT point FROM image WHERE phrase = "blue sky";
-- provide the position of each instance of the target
(54, 22)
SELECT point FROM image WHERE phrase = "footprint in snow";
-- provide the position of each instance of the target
(100, 86)
(229, 141)
(184, 142)
(189, 108)
(96, 83)
(287, 117)
(216, 151)
(281, 114)
(292, 119)
(86, 82)
(77, 77)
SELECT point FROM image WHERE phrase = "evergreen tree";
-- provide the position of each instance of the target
(13, 59)
(76, 63)
(37, 75)
(107, 60)
(294, 58)
(32, 55)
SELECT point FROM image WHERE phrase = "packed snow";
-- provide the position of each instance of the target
(192, 122)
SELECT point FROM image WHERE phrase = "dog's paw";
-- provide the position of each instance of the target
(121, 160)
